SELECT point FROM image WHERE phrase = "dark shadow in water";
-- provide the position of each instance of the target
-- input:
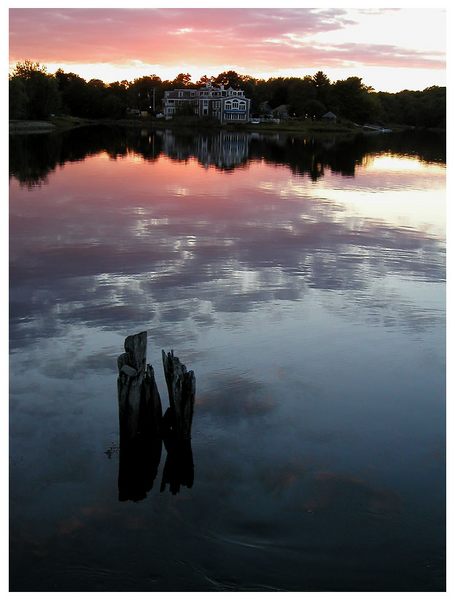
(140, 459)
(179, 467)
(138, 467)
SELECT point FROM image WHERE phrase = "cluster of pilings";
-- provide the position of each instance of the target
(143, 427)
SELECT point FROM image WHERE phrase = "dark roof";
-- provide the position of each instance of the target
(281, 108)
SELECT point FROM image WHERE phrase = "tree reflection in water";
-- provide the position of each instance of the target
(33, 157)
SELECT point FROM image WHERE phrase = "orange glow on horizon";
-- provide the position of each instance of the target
(394, 163)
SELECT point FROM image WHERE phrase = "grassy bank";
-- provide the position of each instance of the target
(305, 127)
(188, 124)
(49, 125)
(30, 126)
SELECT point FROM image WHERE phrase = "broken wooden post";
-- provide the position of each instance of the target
(138, 396)
(181, 385)
(140, 415)
(143, 427)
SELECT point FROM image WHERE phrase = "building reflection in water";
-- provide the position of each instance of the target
(223, 149)
(33, 157)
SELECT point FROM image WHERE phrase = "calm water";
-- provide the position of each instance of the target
(304, 283)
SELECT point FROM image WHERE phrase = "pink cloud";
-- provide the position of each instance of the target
(254, 39)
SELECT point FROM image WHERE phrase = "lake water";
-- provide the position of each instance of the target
(303, 281)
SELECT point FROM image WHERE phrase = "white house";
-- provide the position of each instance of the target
(225, 105)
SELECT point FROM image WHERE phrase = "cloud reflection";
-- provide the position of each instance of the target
(235, 398)
(338, 492)
(120, 252)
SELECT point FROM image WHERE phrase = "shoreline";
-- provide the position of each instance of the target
(315, 128)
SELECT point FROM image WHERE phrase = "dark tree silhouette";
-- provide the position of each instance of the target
(36, 94)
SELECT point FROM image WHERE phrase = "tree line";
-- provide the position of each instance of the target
(36, 94)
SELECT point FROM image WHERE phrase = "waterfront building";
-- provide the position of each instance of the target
(212, 101)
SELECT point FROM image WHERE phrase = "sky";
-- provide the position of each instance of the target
(389, 48)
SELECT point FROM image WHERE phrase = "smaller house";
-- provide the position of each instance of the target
(265, 109)
(330, 116)
(281, 112)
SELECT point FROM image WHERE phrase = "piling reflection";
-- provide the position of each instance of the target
(138, 467)
(143, 428)
(178, 468)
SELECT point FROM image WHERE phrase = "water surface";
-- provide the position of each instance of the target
(304, 282)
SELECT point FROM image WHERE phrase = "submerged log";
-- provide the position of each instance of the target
(181, 385)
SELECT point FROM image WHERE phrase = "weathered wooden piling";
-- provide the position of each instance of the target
(181, 385)
(143, 427)
(139, 400)
(140, 415)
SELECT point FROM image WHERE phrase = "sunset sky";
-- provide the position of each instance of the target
(391, 49)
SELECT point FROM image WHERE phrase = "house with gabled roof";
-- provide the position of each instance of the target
(217, 102)
(329, 116)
